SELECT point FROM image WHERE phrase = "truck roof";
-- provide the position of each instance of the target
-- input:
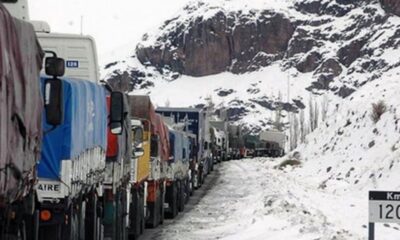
(18, 9)
(141, 107)
(274, 136)
(168, 109)
(78, 51)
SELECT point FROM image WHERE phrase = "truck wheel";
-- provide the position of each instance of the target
(153, 221)
(188, 192)
(81, 219)
(172, 199)
(141, 210)
(195, 180)
(92, 221)
(154, 209)
(181, 195)
(162, 201)
(121, 210)
(135, 215)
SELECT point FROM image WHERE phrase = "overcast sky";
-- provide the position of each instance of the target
(113, 23)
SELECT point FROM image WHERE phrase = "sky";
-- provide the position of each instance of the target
(114, 24)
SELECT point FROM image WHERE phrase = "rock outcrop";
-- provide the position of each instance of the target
(321, 46)
(391, 6)
(223, 42)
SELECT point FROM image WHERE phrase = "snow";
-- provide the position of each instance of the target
(268, 83)
(344, 158)
(251, 199)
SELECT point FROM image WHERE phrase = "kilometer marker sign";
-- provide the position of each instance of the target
(384, 207)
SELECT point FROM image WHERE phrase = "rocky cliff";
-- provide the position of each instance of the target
(323, 46)
(224, 42)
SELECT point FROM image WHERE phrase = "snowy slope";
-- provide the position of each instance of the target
(252, 200)
(255, 95)
(342, 159)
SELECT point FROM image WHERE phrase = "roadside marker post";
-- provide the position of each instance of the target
(384, 207)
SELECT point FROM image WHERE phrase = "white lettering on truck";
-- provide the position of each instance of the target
(49, 187)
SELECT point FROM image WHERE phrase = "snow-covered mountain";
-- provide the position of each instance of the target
(244, 56)
(338, 57)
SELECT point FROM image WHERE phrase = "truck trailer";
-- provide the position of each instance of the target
(21, 108)
(272, 143)
(177, 172)
(151, 166)
(195, 123)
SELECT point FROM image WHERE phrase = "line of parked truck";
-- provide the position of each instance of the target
(79, 160)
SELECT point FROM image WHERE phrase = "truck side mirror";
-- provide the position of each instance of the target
(55, 66)
(138, 135)
(139, 151)
(117, 113)
(53, 101)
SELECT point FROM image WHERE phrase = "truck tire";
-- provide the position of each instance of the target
(162, 201)
(172, 200)
(81, 219)
(154, 211)
(122, 229)
(195, 181)
(181, 195)
(188, 191)
(135, 215)
(93, 218)
(142, 210)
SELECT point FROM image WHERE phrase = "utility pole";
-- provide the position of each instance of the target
(81, 24)
(289, 114)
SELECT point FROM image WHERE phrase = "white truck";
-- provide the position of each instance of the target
(273, 143)
(221, 139)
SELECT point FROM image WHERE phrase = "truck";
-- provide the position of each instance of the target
(81, 186)
(21, 108)
(272, 143)
(91, 163)
(236, 141)
(177, 172)
(195, 120)
(116, 194)
(151, 166)
(139, 173)
(220, 139)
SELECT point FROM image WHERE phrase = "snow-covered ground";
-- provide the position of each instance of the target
(251, 199)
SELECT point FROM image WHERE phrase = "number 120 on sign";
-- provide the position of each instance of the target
(384, 207)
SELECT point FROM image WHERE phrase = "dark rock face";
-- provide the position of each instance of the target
(310, 63)
(345, 91)
(391, 6)
(224, 93)
(220, 43)
(317, 7)
(348, 54)
(236, 113)
(330, 66)
(325, 74)
(126, 81)
(274, 105)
